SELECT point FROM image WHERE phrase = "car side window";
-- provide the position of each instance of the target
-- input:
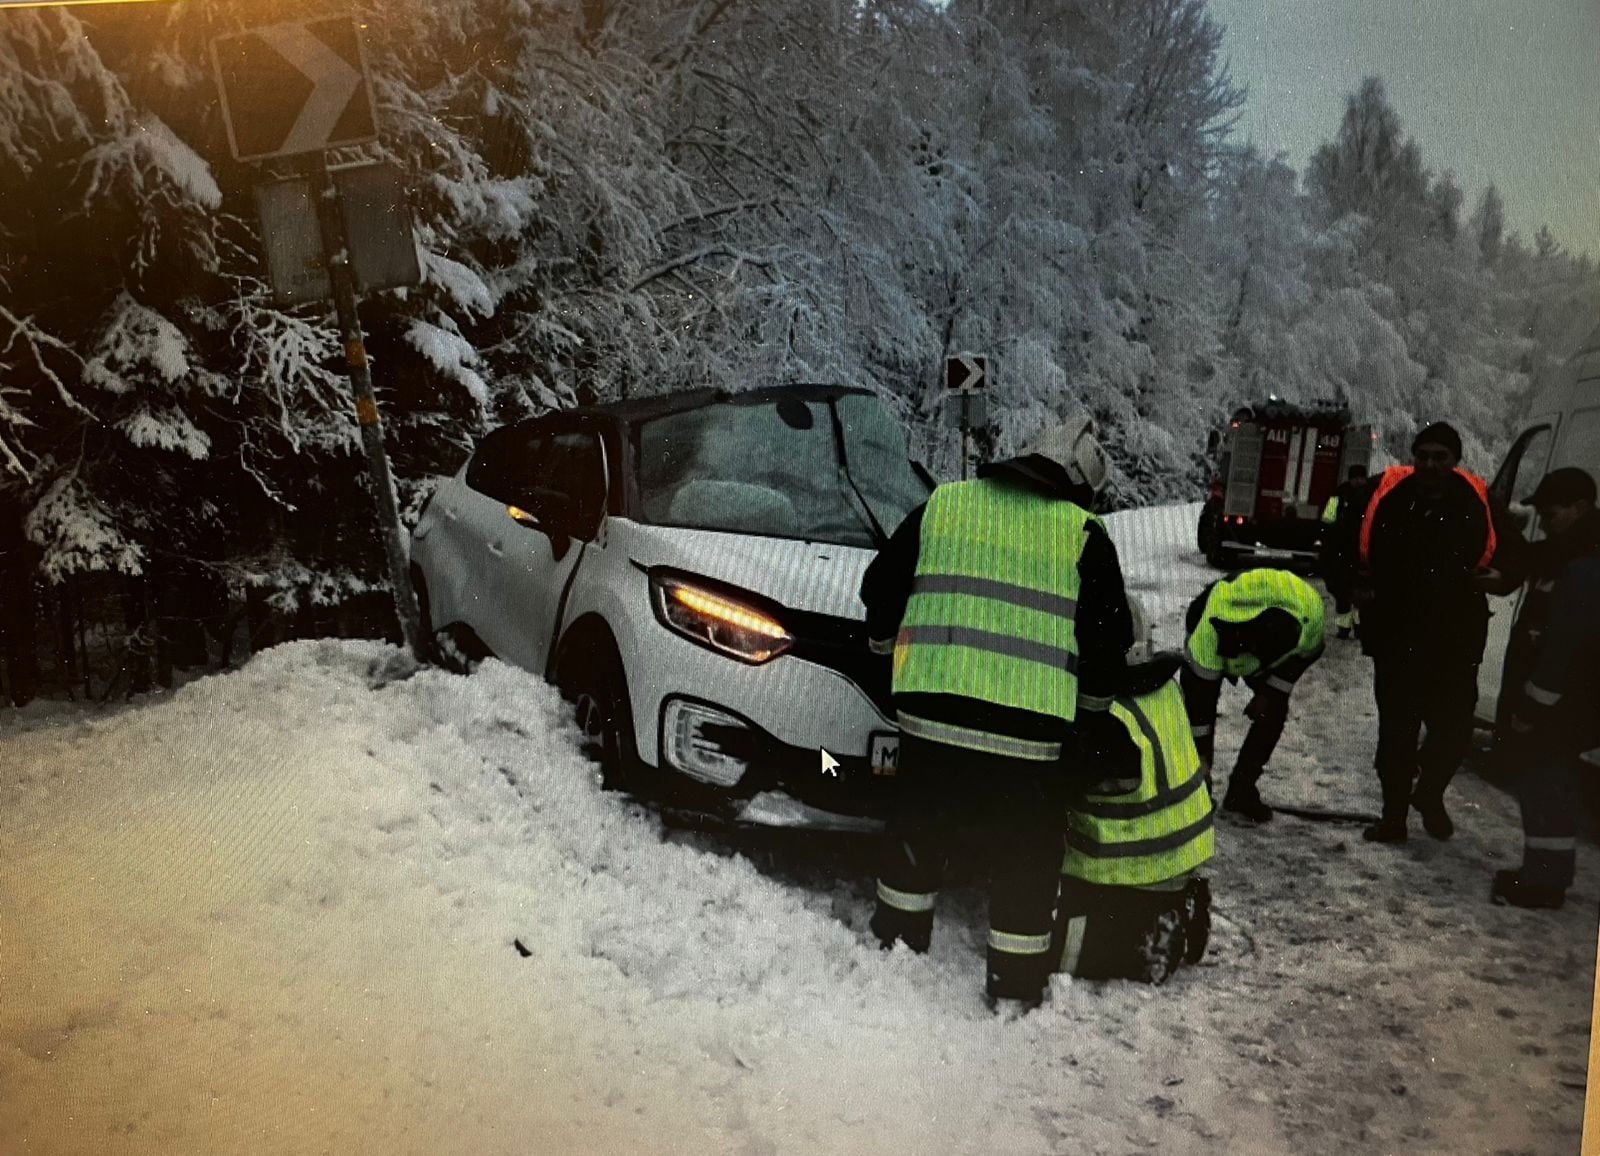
(571, 464)
(500, 467)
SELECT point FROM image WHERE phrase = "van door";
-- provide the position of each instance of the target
(1525, 463)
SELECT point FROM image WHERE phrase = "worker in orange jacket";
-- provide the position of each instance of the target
(1426, 533)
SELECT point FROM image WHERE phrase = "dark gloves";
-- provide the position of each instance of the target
(1267, 706)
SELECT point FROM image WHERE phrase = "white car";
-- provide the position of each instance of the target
(686, 569)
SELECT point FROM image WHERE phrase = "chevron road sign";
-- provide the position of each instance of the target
(294, 88)
(966, 373)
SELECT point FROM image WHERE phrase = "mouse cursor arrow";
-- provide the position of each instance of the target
(830, 765)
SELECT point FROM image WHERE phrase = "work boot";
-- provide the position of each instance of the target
(1435, 819)
(890, 925)
(1196, 920)
(1390, 829)
(1244, 799)
(1509, 888)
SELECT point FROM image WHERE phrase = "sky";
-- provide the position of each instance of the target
(304, 906)
(1501, 91)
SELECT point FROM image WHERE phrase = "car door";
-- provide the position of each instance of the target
(537, 554)
(1524, 465)
(464, 517)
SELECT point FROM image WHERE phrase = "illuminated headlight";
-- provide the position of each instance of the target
(690, 751)
(715, 620)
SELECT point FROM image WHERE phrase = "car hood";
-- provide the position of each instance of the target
(815, 576)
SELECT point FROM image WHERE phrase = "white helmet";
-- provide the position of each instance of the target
(1072, 446)
(1142, 647)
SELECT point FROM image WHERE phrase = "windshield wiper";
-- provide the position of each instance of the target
(879, 538)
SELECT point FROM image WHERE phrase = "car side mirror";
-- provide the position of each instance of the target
(548, 511)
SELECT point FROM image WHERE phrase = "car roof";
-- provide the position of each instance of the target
(644, 408)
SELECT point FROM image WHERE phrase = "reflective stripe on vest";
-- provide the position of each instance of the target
(1242, 598)
(994, 600)
(1008, 746)
(1163, 829)
(1393, 476)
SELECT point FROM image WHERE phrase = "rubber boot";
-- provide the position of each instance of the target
(1391, 828)
(1019, 979)
(1242, 797)
(913, 928)
(1435, 819)
(1197, 920)
(1509, 888)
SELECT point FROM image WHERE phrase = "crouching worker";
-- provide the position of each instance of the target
(1266, 627)
(1132, 905)
(1001, 601)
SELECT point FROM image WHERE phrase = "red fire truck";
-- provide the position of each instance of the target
(1277, 464)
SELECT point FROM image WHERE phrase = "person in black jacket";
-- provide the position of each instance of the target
(1552, 719)
(1341, 523)
(1572, 529)
(1426, 533)
(1002, 603)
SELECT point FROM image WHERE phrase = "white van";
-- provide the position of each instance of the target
(1562, 429)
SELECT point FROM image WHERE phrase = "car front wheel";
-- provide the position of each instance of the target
(591, 678)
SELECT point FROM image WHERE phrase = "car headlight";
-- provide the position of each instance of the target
(715, 620)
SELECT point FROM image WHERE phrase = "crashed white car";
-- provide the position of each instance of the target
(685, 569)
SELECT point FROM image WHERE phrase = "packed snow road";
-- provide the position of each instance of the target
(296, 909)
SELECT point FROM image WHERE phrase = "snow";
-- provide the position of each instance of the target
(451, 354)
(464, 288)
(166, 429)
(278, 910)
(178, 162)
(78, 534)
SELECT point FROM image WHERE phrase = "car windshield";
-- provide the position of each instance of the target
(774, 468)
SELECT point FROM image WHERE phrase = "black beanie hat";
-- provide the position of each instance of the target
(1440, 433)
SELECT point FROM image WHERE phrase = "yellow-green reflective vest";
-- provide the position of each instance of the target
(992, 606)
(1164, 828)
(1330, 512)
(1241, 599)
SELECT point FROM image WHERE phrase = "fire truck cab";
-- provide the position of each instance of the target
(1277, 464)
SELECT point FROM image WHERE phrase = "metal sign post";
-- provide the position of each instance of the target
(297, 89)
(355, 358)
(965, 377)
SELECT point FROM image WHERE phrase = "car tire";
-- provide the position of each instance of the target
(427, 644)
(457, 648)
(589, 675)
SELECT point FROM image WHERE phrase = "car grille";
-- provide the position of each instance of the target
(841, 644)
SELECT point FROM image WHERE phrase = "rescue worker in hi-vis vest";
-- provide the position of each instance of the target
(1132, 905)
(1266, 627)
(1002, 603)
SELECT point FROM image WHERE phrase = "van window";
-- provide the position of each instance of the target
(1581, 447)
(1524, 465)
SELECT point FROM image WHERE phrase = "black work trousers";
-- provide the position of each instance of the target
(1415, 692)
(1017, 809)
(1138, 933)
